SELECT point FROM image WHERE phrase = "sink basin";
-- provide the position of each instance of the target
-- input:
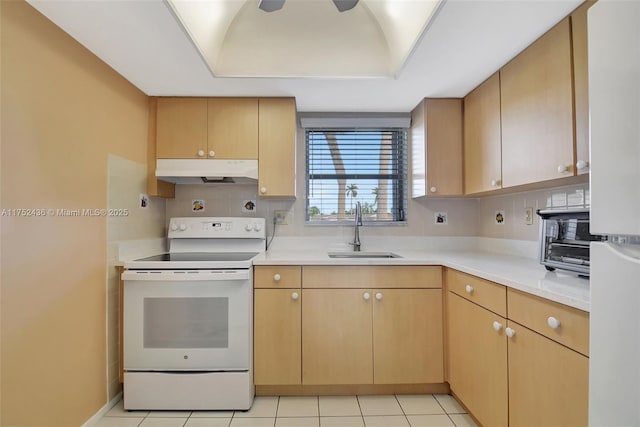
(363, 255)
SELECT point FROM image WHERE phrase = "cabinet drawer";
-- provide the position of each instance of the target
(538, 314)
(276, 276)
(489, 295)
(372, 276)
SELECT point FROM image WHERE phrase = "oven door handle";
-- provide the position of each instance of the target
(186, 275)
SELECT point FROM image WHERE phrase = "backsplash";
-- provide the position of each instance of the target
(230, 200)
(513, 207)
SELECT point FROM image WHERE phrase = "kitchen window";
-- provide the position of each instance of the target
(349, 165)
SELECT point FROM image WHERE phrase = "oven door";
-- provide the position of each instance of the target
(193, 320)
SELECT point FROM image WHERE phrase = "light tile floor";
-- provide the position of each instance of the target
(439, 410)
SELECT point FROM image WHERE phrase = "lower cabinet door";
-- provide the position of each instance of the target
(336, 336)
(478, 360)
(548, 382)
(277, 336)
(407, 336)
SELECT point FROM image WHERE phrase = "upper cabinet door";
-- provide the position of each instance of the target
(581, 86)
(233, 128)
(436, 147)
(482, 138)
(537, 111)
(277, 147)
(181, 128)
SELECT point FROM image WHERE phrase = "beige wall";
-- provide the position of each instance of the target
(62, 112)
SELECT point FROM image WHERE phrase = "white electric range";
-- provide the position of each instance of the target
(188, 318)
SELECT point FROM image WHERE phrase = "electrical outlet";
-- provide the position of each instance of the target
(528, 216)
(282, 217)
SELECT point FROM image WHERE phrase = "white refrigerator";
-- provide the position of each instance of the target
(614, 102)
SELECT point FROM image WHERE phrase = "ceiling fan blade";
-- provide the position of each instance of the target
(344, 5)
(271, 5)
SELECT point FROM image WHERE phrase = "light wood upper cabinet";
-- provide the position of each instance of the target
(232, 128)
(277, 147)
(478, 360)
(336, 336)
(537, 111)
(581, 85)
(200, 128)
(436, 148)
(277, 336)
(548, 382)
(181, 128)
(482, 138)
(407, 336)
(155, 187)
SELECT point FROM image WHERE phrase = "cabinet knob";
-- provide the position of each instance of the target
(295, 296)
(379, 296)
(366, 296)
(263, 190)
(433, 189)
(212, 153)
(563, 168)
(495, 183)
(276, 277)
(582, 165)
(200, 153)
(553, 322)
(510, 332)
(497, 326)
(469, 289)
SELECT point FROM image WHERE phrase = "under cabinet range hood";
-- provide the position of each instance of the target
(207, 171)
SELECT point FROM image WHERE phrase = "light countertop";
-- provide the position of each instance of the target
(518, 272)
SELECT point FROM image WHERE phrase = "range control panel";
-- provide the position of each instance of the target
(216, 227)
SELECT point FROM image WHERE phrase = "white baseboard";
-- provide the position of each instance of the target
(98, 415)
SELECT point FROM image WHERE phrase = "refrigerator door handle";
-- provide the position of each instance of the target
(629, 252)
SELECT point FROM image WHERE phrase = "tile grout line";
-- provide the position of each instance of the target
(402, 409)
(360, 408)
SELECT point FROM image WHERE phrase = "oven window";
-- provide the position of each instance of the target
(201, 322)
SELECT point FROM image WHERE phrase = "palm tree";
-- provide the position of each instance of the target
(314, 211)
(338, 164)
(375, 192)
(352, 191)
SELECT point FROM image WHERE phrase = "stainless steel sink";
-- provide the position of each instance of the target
(363, 255)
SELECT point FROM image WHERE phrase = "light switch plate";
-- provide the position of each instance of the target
(528, 216)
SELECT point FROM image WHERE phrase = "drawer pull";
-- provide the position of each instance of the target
(510, 332)
(553, 322)
(497, 326)
(469, 289)
(295, 296)
(378, 296)
(276, 277)
(366, 296)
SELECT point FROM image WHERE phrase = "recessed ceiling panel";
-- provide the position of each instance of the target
(305, 38)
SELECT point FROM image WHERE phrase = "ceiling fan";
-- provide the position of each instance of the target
(273, 5)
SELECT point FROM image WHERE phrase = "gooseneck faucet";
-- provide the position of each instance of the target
(358, 223)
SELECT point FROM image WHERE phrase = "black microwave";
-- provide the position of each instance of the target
(565, 240)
